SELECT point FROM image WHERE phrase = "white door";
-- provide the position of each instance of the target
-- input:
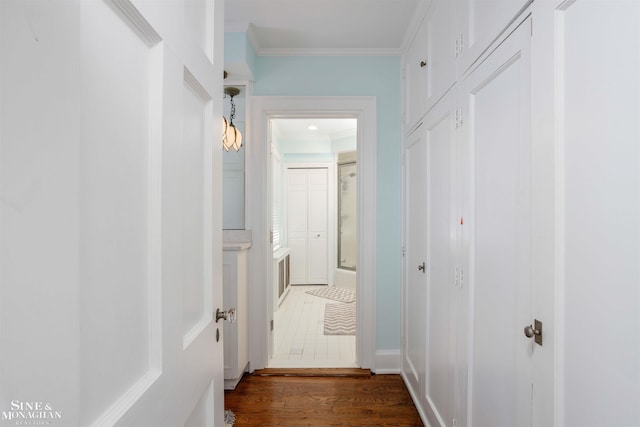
(415, 280)
(498, 228)
(317, 231)
(598, 245)
(441, 253)
(307, 204)
(109, 213)
(431, 237)
(297, 234)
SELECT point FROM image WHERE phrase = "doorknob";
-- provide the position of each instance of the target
(534, 331)
(229, 315)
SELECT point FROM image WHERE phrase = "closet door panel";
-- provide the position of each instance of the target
(498, 224)
(415, 279)
(439, 384)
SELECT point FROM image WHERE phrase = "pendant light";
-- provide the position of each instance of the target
(231, 137)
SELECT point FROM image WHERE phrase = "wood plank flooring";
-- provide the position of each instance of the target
(376, 400)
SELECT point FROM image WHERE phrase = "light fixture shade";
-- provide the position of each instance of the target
(232, 138)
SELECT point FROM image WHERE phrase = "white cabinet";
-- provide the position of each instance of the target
(236, 334)
(307, 225)
(480, 23)
(498, 227)
(431, 227)
(430, 61)
(415, 279)
(467, 231)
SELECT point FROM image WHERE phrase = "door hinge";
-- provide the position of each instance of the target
(458, 118)
(270, 236)
(404, 251)
(271, 324)
(461, 278)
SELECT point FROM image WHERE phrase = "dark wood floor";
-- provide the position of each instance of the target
(321, 400)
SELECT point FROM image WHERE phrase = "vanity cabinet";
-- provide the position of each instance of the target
(236, 334)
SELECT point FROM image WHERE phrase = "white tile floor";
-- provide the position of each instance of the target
(299, 340)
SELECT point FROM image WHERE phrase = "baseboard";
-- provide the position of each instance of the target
(387, 362)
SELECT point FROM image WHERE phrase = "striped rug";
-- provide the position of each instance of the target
(334, 293)
(340, 319)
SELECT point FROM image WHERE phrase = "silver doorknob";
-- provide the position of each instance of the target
(229, 315)
(534, 331)
(529, 332)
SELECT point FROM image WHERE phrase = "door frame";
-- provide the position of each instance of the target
(261, 110)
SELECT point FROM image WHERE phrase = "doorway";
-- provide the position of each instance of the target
(259, 215)
(314, 313)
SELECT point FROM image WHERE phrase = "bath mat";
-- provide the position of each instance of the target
(340, 319)
(336, 294)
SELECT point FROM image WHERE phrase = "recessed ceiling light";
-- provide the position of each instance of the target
(312, 127)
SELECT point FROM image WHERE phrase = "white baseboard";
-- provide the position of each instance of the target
(387, 362)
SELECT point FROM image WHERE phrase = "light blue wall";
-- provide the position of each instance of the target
(377, 76)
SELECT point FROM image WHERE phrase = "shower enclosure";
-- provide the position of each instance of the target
(347, 219)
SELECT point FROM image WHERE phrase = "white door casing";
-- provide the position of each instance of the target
(263, 109)
(110, 217)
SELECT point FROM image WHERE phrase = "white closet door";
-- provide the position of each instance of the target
(441, 246)
(317, 226)
(307, 204)
(111, 247)
(297, 220)
(498, 226)
(415, 286)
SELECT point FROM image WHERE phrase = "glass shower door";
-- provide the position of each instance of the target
(347, 219)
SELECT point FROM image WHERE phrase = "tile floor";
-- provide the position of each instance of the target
(299, 340)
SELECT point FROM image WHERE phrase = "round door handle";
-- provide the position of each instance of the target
(423, 64)
(529, 332)
(534, 331)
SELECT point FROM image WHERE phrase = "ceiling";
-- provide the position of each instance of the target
(298, 129)
(323, 27)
